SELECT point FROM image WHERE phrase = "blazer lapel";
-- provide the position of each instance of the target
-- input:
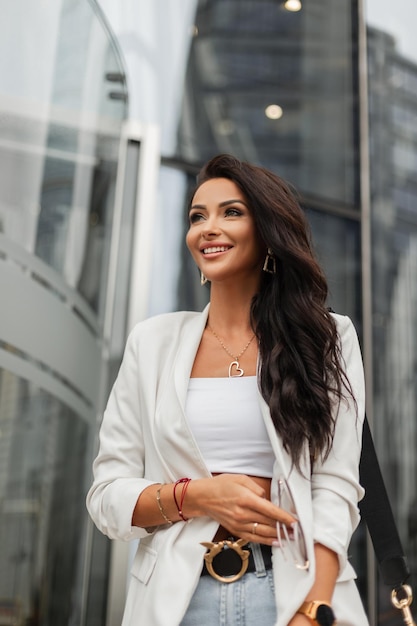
(189, 342)
(175, 437)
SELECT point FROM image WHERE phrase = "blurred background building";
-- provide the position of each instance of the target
(107, 111)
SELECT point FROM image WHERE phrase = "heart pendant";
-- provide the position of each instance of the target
(239, 371)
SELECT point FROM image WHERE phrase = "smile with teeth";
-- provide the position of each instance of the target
(214, 249)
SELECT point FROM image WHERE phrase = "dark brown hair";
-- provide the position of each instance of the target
(301, 373)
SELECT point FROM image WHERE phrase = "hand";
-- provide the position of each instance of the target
(237, 502)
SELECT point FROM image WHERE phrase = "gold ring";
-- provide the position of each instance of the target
(255, 525)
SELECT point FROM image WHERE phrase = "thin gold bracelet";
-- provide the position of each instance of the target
(158, 499)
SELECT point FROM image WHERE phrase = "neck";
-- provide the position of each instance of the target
(230, 308)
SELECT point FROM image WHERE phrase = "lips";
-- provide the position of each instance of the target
(214, 249)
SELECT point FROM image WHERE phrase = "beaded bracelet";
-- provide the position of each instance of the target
(161, 508)
(184, 482)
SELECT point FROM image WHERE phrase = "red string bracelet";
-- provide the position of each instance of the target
(184, 482)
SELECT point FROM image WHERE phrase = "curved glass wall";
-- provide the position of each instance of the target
(63, 100)
(42, 451)
(59, 138)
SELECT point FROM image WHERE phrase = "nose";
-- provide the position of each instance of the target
(211, 226)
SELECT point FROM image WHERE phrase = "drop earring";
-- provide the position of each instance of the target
(203, 279)
(270, 264)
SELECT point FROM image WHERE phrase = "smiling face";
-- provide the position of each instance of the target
(222, 237)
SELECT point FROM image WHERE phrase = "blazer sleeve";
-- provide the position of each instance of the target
(118, 469)
(335, 481)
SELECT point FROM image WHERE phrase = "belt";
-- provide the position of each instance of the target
(229, 558)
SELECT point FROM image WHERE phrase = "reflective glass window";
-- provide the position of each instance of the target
(392, 80)
(42, 454)
(337, 244)
(59, 135)
(63, 100)
(278, 88)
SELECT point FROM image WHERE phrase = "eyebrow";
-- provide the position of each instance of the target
(221, 204)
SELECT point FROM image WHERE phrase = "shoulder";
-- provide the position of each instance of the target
(343, 323)
(348, 336)
(160, 327)
(177, 318)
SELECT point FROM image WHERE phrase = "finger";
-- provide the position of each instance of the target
(263, 510)
(260, 533)
(249, 483)
(263, 531)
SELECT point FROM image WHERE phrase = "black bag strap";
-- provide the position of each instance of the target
(376, 510)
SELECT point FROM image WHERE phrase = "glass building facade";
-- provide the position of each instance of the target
(93, 199)
(62, 105)
(392, 92)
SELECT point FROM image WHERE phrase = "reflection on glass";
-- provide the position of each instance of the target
(337, 244)
(62, 103)
(42, 448)
(293, 5)
(59, 139)
(392, 84)
(250, 55)
(274, 111)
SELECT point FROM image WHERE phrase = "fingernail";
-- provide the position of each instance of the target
(276, 543)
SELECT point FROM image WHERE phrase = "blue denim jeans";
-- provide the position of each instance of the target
(249, 601)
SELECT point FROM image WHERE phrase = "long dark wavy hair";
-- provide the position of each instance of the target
(301, 372)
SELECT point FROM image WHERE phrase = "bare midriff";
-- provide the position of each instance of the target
(222, 533)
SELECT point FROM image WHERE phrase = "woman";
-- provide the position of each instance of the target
(259, 401)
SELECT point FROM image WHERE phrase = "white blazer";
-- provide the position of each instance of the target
(145, 439)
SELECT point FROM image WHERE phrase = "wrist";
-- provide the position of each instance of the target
(300, 620)
(193, 497)
(182, 484)
(318, 612)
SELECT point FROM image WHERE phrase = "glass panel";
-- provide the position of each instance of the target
(392, 80)
(276, 88)
(42, 453)
(59, 138)
(63, 99)
(337, 243)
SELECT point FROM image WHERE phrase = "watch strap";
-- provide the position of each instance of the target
(310, 608)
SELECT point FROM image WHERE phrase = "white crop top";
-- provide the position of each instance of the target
(227, 424)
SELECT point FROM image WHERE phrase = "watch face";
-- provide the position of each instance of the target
(325, 615)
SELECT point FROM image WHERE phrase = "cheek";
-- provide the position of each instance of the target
(190, 242)
(188, 239)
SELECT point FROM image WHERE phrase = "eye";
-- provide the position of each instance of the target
(233, 212)
(195, 217)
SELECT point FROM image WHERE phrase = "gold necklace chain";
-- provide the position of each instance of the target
(234, 365)
(226, 348)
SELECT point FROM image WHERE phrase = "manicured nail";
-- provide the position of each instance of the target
(276, 543)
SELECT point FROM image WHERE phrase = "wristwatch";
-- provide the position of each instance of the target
(319, 612)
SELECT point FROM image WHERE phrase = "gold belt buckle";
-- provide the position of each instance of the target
(215, 547)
